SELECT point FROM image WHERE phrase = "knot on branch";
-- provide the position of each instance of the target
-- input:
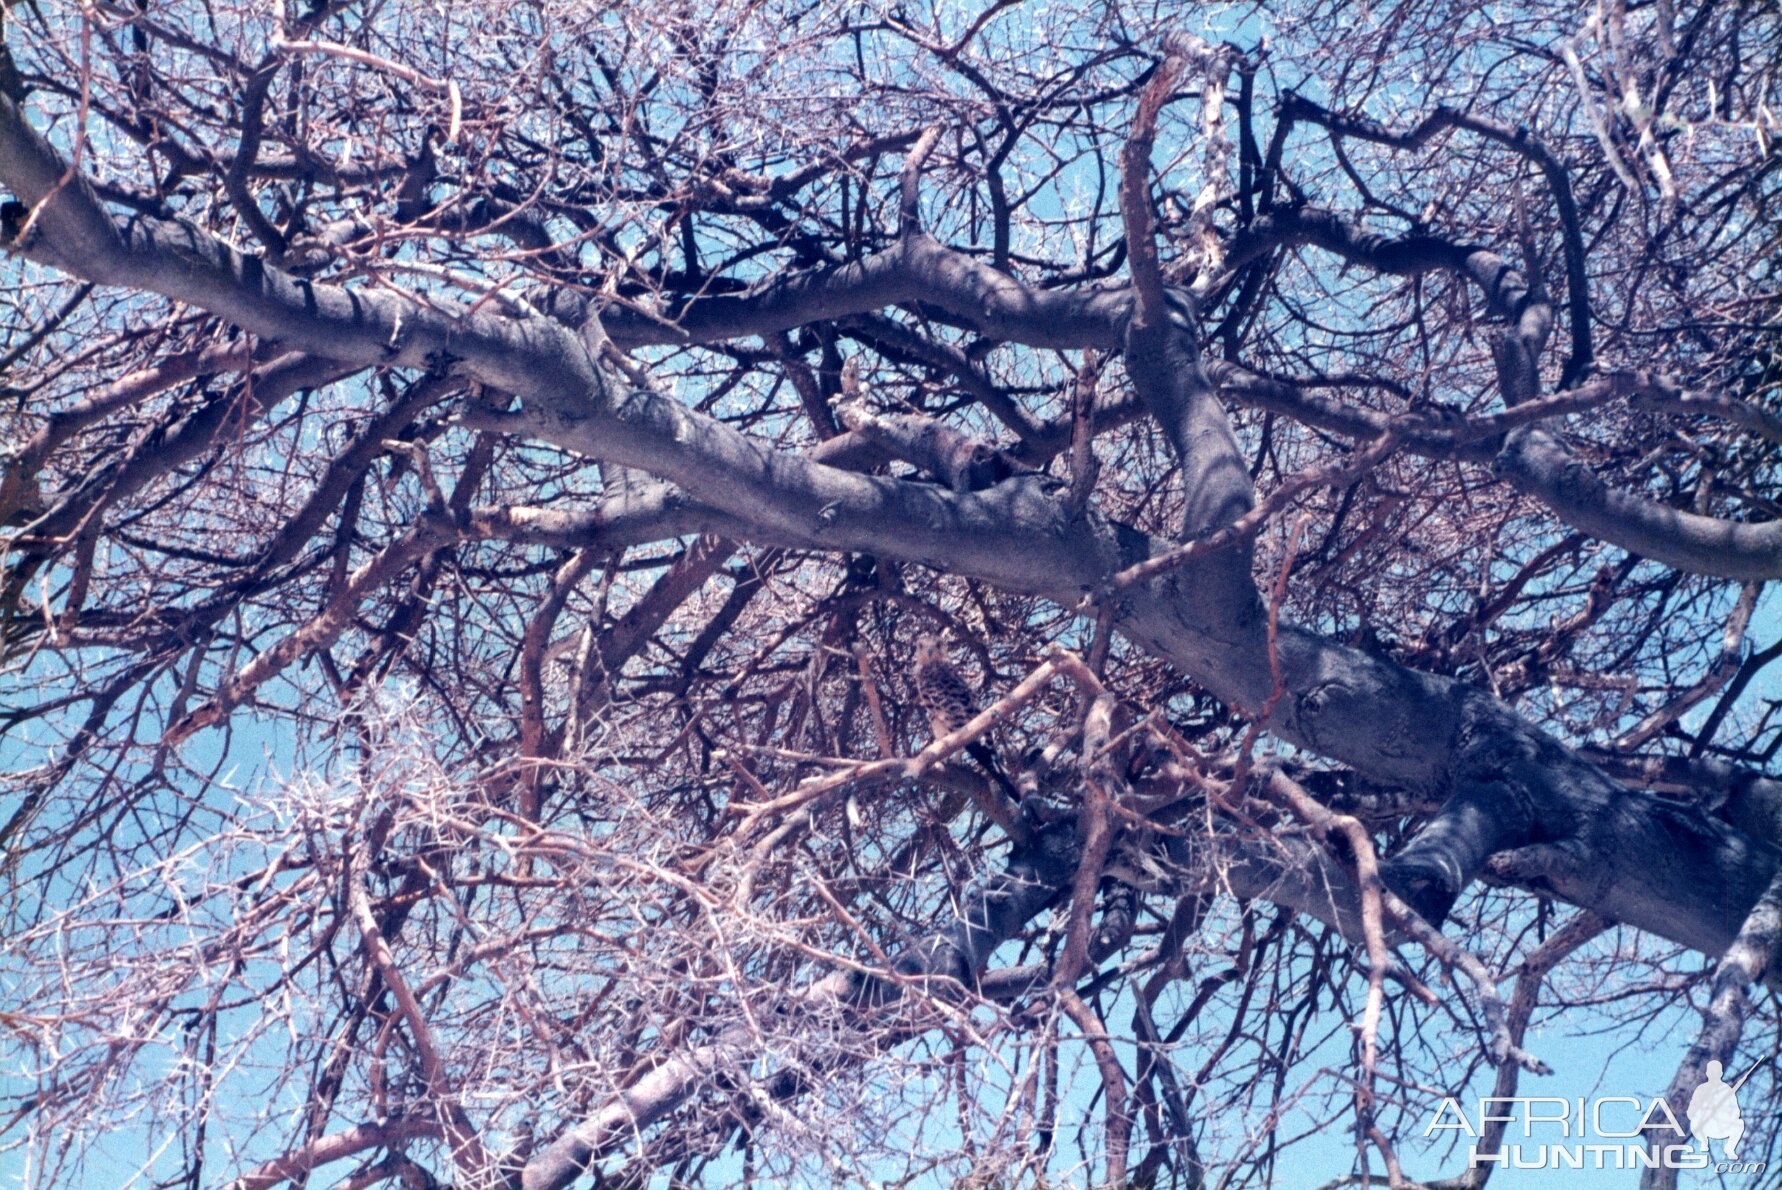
(1495, 770)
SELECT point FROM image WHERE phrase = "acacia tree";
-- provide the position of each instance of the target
(477, 474)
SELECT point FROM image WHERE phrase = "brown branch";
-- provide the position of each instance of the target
(425, 535)
(466, 1148)
(1338, 474)
(1095, 826)
(1113, 1082)
(1658, 394)
(897, 768)
(909, 206)
(531, 677)
(294, 1165)
(1367, 876)
(1530, 974)
(1149, 306)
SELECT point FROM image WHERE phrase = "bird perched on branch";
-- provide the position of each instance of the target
(950, 706)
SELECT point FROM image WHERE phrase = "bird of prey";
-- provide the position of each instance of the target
(950, 705)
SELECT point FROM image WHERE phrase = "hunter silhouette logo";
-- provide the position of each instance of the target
(1714, 1111)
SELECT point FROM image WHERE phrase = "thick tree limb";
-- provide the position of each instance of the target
(1536, 463)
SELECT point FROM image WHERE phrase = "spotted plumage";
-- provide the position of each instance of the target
(944, 694)
(950, 705)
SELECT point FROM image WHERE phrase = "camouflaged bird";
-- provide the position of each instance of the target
(950, 706)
